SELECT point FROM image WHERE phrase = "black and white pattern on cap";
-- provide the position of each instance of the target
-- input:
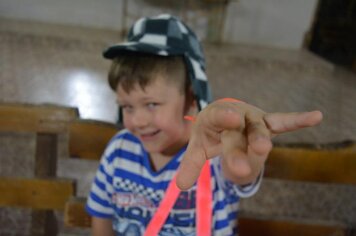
(165, 35)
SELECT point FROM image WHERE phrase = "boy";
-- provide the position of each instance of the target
(159, 77)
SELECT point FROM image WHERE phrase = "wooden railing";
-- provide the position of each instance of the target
(328, 164)
(46, 122)
(44, 192)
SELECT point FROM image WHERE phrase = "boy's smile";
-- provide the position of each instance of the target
(155, 115)
(149, 136)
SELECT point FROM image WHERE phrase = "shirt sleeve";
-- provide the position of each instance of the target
(242, 191)
(99, 202)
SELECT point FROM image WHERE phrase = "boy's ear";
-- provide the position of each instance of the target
(193, 109)
(191, 106)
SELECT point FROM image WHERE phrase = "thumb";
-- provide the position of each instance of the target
(190, 167)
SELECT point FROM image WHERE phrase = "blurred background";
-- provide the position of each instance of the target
(280, 55)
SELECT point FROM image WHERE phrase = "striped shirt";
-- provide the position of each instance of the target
(128, 191)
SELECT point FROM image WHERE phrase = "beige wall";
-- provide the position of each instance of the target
(273, 23)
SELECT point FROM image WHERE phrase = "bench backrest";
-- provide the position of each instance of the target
(333, 163)
(88, 138)
(19, 117)
(36, 193)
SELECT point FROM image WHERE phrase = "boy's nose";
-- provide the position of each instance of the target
(140, 119)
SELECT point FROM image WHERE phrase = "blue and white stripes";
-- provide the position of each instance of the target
(127, 190)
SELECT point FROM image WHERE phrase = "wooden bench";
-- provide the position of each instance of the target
(328, 164)
(36, 118)
(75, 214)
(36, 193)
(88, 138)
(42, 196)
(268, 227)
(46, 121)
(44, 192)
(331, 163)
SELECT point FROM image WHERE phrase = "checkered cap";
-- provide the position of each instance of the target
(165, 35)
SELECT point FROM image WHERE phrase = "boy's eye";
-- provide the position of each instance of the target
(151, 105)
(126, 108)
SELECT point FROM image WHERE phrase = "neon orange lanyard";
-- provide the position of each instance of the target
(203, 200)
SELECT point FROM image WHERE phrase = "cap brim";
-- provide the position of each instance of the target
(129, 47)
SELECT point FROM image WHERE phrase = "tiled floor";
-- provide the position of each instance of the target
(52, 64)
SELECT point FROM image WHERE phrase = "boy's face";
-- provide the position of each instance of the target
(155, 116)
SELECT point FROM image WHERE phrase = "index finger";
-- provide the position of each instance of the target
(285, 122)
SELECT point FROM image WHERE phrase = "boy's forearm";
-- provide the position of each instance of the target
(101, 227)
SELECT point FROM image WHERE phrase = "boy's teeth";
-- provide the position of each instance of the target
(150, 134)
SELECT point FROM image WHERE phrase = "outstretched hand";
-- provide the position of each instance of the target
(241, 134)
